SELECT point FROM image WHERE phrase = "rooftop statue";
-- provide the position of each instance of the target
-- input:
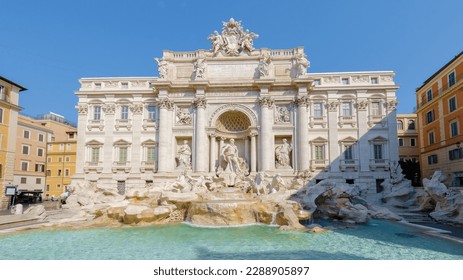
(233, 39)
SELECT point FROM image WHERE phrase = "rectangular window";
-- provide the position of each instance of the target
(454, 128)
(39, 167)
(59, 172)
(151, 112)
(58, 186)
(68, 147)
(23, 180)
(40, 152)
(431, 137)
(60, 159)
(316, 82)
(413, 142)
(320, 152)
(97, 113)
(41, 138)
(376, 108)
(48, 188)
(95, 156)
(24, 166)
(432, 159)
(348, 153)
(68, 159)
(26, 134)
(61, 147)
(150, 154)
(1, 115)
(25, 150)
(123, 154)
(456, 154)
(50, 147)
(48, 172)
(374, 81)
(452, 79)
(347, 109)
(125, 85)
(49, 159)
(429, 95)
(98, 85)
(430, 116)
(452, 104)
(318, 110)
(124, 112)
(38, 181)
(401, 142)
(345, 81)
(66, 172)
(378, 151)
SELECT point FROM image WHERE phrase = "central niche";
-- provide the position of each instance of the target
(233, 121)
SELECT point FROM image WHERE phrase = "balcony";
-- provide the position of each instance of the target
(149, 124)
(317, 164)
(95, 125)
(318, 121)
(91, 166)
(376, 119)
(349, 165)
(347, 120)
(123, 123)
(379, 164)
(148, 166)
(121, 166)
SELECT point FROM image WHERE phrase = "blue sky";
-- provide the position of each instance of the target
(48, 45)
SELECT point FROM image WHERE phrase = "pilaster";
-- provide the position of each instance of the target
(165, 155)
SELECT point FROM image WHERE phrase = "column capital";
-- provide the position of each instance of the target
(136, 108)
(109, 109)
(303, 101)
(362, 105)
(166, 103)
(391, 105)
(82, 109)
(200, 102)
(266, 101)
(332, 106)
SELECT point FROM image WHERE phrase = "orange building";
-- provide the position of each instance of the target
(440, 118)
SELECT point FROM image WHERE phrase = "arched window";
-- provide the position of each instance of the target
(411, 124)
(400, 125)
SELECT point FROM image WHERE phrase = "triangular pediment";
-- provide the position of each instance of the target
(121, 142)
(93, 143)
(148, 142)
(378, 139)
(319, 140)
(348, 139)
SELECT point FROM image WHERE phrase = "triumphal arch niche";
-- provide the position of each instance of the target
(243, 105)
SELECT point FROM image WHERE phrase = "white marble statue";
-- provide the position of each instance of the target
(162, 67)
(264, 65)
(301, 65)
(200, 68)
(247, 40)
(282, 153)
(184, 155)
(230, 155)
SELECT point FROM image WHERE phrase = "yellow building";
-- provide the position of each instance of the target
(30, 162)
(407, 132)
(9, 100)
(61, 154)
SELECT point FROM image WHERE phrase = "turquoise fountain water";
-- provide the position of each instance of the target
(378, 240)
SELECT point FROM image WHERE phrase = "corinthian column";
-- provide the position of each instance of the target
(303, 133)
(201, 153)
(165, 157)
(266, 153)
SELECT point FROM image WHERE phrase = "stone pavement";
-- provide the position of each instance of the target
(10, 221)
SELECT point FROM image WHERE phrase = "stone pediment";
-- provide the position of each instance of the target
(121, 142)
(319, 140)
(378, 139)
(348, 139)
(94, 143)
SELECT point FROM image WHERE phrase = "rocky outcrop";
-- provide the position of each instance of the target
(445, 205)
(398, 191)
(340, 201)
(36, 211)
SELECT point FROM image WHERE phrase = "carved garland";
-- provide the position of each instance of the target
(333, 106)
(137, 109)
(302, 101)
(109, 109)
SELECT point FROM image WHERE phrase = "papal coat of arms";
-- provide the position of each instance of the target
(233, 39)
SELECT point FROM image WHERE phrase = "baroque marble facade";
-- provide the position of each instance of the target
(236, 108)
